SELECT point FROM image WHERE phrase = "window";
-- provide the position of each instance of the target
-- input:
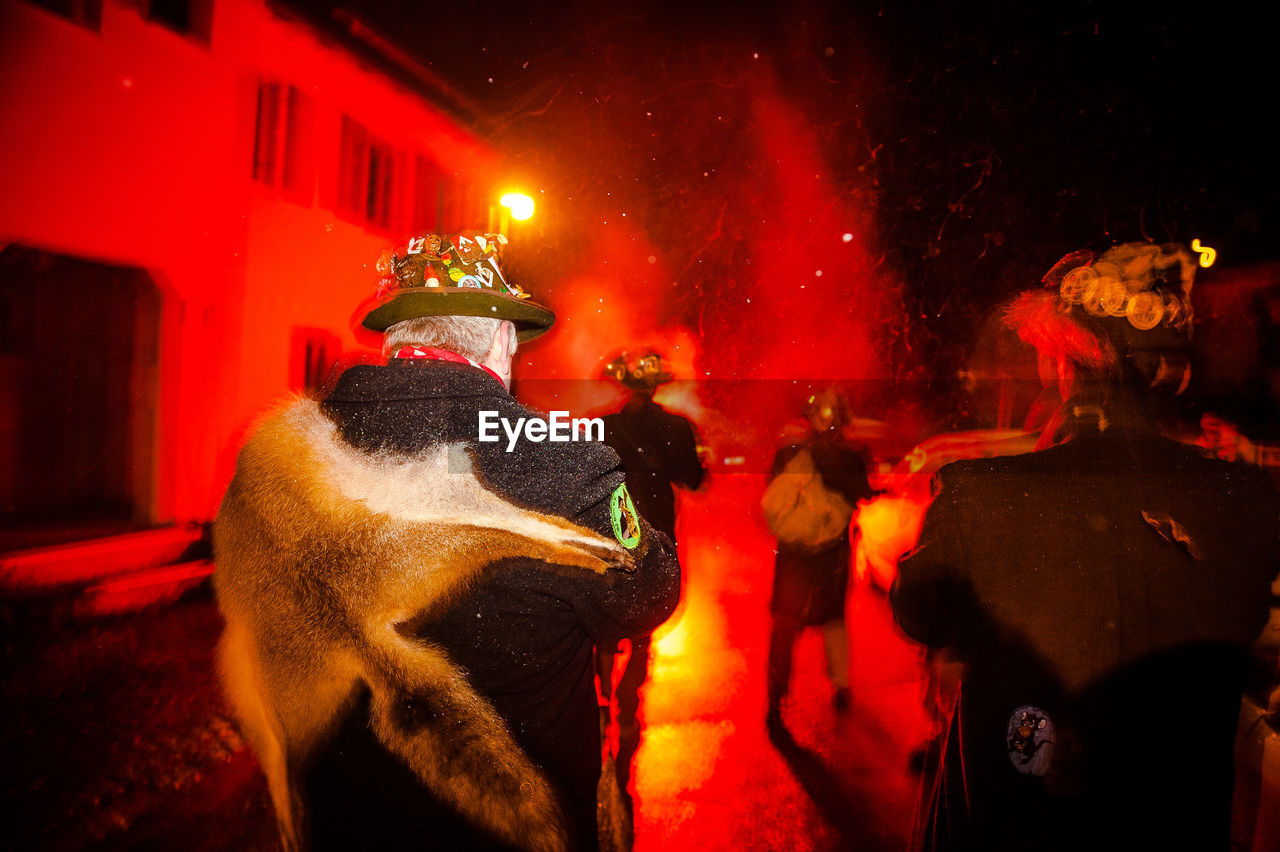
(189, 17)
(377, 202)
(281, 148)
(367, 172)
(266, 141)
(428, 196)
(462, 207)
(312, 354)
(461, 204)
(477, 211)
(298, 175)
(86, 13)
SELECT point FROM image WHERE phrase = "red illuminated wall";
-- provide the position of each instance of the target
(136, 146)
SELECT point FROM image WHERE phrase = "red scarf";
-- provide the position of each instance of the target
(431, 353)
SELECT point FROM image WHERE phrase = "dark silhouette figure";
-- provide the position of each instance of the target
(658, 450)
(815, 484)
(1102, 592)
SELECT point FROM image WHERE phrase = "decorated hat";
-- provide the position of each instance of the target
(828, 404)
(638, 372)
(1132, 297)
(452, 275)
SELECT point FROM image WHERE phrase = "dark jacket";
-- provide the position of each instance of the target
(658, 450)
(523, 631)
(810, 585)
(1111, 585)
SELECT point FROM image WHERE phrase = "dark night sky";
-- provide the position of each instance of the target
(983, 140)
(1057, 121)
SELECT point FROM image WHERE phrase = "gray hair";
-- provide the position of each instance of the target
(470, 337)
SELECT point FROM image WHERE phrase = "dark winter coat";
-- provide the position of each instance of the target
(522, 632)
(658, 450)
(810, 585)
(1109, 586)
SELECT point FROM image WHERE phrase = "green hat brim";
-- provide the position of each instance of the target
(530, 318)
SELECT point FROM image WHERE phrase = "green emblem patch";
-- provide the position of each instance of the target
(626, 523)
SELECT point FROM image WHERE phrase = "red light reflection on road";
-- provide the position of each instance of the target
(706, 774)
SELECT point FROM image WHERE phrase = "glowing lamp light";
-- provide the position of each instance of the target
(1207, 255)
(521, 206)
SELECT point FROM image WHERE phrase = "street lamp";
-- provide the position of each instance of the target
(520, 205)
(513, 207)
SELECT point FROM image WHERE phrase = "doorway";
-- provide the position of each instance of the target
(79, 369)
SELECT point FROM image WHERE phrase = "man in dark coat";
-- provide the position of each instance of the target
(659, 452)
(811, 577)
(658, 449)
(409, 762)
(1102, 592)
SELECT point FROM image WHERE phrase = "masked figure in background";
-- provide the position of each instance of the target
(1102, 592)
(411, 609)
(815, 483)
(658, 451)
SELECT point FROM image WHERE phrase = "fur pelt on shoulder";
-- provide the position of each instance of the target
(322, 550)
